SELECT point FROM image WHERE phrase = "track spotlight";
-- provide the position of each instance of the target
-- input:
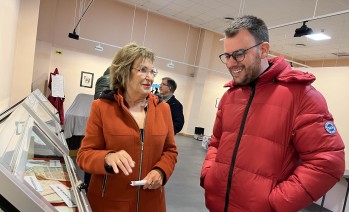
(73, 34)
(99, 47)
(170, 65)
(303, 30)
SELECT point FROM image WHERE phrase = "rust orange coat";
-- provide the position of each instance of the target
(111, 127)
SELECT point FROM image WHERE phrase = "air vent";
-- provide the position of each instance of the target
(300, 44)
(228, 18)
(341, 54)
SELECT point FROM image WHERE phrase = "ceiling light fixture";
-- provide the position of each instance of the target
(303, 30)
(99, 47)
(170, 65)
(319, 36)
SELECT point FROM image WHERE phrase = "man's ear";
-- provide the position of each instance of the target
(264, 49)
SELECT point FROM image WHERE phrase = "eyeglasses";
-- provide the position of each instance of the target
(238, 55)
(163, 84)
(145, 70)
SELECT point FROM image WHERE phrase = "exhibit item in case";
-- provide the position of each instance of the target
(36, 172)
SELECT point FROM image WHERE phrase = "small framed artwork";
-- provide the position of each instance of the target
(86, 79)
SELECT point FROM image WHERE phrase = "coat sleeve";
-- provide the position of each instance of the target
(213, 145)
(90, 157)
(321, 152)
(168, 158)
(178, 117)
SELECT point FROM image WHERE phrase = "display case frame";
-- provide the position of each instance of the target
(24, 138)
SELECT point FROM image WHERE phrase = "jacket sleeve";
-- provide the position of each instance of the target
(177, 117)
(213, 145)
(168, 158)
(90, 157)
(321, 152)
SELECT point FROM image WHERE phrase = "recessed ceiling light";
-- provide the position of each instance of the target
(318, 36)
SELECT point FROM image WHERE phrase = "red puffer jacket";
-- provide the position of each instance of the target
(274, 145)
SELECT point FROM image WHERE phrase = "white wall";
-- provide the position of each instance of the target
(332, 83)
(23, 62)
(9, 10)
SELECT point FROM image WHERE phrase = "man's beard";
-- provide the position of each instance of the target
(251, 72)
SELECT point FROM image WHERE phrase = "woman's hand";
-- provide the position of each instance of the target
(120, 160)
(154, 179)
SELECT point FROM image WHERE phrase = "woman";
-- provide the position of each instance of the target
(129, 137)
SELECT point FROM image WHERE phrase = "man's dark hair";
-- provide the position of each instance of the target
(254, 25)
(171, 83)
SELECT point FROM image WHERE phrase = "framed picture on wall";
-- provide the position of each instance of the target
(86, 79)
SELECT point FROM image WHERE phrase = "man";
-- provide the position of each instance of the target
(167, 88)
(102, 84)
(274, 145)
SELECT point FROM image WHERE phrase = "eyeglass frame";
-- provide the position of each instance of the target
(241, 52)
(163, 84)
(152, 71)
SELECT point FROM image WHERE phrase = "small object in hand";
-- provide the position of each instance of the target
(138, 183)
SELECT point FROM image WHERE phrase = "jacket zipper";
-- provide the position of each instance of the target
(140, 165)
(141, 131)
(242, 126)
(104, 184)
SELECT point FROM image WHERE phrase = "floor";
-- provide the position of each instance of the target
(183, 191)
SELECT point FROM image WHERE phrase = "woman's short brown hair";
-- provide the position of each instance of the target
(121, 67)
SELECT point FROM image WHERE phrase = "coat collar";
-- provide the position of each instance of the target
(118, 96)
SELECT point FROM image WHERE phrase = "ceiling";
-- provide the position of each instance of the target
(281, 16)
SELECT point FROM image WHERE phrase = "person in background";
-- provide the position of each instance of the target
(274, 145)
(167, 88)
(102, 84)
(129, 137)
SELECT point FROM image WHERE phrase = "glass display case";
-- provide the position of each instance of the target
(36, 172)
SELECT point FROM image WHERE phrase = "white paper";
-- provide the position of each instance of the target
(34, 183)
(55, 163)
(138, 183)
(57, 86)
(63, 192)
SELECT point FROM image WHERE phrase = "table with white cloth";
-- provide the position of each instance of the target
(76, 120)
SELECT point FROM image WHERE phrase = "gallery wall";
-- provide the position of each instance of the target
(9, 11)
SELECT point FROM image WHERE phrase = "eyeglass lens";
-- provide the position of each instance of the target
(145, 70)
(238, 55)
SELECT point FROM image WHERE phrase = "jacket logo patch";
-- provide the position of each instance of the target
(330, 128)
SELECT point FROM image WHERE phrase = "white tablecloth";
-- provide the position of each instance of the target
(77, 115)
